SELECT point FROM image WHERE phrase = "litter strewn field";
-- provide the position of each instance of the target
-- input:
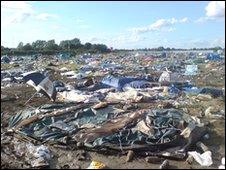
(119, 110)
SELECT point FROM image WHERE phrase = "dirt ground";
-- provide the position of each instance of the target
(68, 159)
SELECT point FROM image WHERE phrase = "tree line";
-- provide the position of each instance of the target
(49, 47)
(171, 49)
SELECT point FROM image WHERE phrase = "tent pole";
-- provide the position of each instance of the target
(30, 98)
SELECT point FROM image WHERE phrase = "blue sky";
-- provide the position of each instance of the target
(116, 24)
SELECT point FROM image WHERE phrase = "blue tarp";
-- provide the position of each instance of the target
(5, 59)
(119, 82)
(213, 57)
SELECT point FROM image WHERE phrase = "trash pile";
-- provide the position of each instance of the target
(106, 107)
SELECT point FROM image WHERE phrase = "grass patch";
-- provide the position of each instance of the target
(8, 66)
(71, 66)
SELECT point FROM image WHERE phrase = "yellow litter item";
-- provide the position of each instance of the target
(165, 91)
(96, 165)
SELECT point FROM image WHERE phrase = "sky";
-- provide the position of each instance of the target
(121, 25)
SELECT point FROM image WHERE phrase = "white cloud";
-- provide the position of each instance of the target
(16, 5)
(15, 12)
(215, 9)
(19, 11)
(184, 20)
(200, 43)
(46, 16)
(218, 42)
(159, 25)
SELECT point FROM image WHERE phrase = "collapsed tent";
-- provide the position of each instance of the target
(110, 128)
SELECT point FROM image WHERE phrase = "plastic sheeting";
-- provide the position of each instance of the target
(137, 84)
(213, 57)
(120, 82)
(191, 69)
(153, 130)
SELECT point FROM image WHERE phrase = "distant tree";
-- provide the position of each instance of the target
(51, 45)
(27, 47)
(39, 44)
(87, 46)
(65, 44)
(215, 49)
(20, 46)
(160, 48)
(75, 43)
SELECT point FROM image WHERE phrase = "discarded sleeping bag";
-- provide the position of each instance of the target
(119, 82)
(214, 92)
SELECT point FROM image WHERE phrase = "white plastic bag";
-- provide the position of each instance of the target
(204, 159)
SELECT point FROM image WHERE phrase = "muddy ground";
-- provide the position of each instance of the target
(67, 158)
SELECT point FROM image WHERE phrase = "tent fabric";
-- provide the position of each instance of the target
(137, 84)
(36, 77)
(5, 59)
(213, 57)
(109, 127)
(119, 82)
(41, 83)
(213, 91)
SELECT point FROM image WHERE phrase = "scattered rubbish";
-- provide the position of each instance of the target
(100, 105)
(203, 97)
(222, 166)
(191, 70)
(129, 156)
(190, 159)
(202, 146)
(156, 105)
(165, 77)
(164, 165)
(40, 83)
(96, 165)
(204, 159)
